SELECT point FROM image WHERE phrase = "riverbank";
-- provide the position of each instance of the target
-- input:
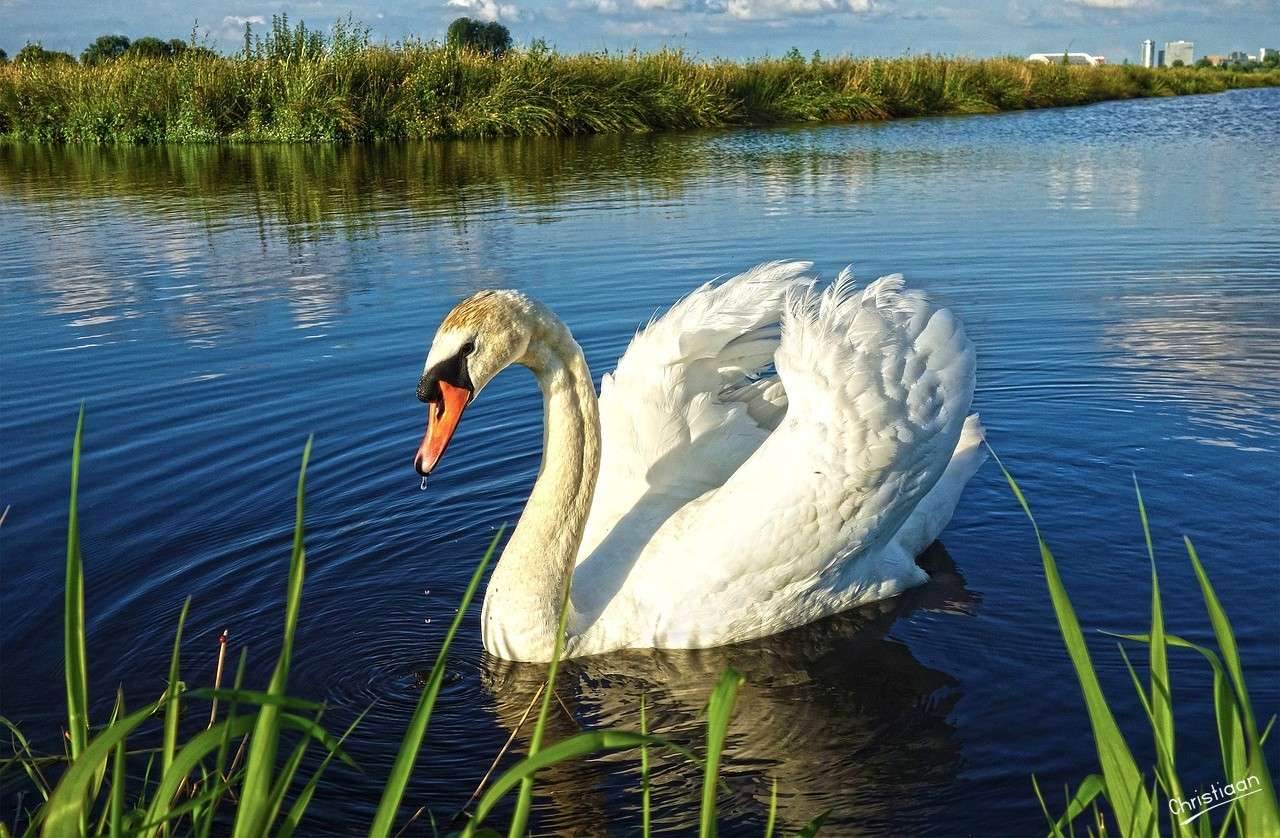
(421, 91)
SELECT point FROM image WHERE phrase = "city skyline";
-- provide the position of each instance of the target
(728, 28)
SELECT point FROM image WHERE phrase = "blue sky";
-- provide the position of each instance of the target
(729, 28)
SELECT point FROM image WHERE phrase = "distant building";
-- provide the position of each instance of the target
(1239, 57)
(1216, 60)
(1080, 59)
(1264, 52)
(1184, 51)
(1148, 53)
(1160, 58)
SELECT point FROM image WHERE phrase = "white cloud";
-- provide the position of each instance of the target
(237, 20)
(775, 9)
(232, 28)
(706, 10)
(1110, 4)
(487, 9)
(642, 28)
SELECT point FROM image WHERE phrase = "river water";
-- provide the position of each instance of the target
(1118, 267)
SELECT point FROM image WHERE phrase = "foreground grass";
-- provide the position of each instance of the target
(1133, 802)
(232, 775)
(416, 90)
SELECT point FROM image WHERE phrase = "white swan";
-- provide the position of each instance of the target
(705, 499)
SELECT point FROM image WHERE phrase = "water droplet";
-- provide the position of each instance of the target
(423, 485)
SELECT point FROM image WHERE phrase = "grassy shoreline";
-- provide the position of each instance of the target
(425, 91)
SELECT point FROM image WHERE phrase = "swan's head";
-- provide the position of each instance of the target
(484, 333)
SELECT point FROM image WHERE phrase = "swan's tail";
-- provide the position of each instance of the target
(972, 436)
(931, 515)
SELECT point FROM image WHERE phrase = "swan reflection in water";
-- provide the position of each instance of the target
(842, 716)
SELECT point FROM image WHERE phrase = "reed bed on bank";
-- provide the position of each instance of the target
(420, 90)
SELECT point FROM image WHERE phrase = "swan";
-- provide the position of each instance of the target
(764, 455)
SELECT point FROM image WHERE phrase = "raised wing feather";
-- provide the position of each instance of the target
(878, 383)
(690, 400)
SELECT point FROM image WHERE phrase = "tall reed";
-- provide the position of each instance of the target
(348, 89)
(1138, 802)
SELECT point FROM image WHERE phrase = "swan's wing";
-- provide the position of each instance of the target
(879, 384)
(691, 398)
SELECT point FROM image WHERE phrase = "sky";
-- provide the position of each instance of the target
(724, 28)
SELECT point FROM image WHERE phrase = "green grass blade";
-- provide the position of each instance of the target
(1262, 740)
(172, 710)
(398, 780)
(1161, 696)
(256, 697)
(1170, 785)
(299, 807)
(811, 828)
(191, 806)
(26, 759)
(644, 775)
(1260, 812)
(1124, 785)
(313, 729)
(772, 820)
(260, 763)
(719, 711)
(1044, 807)
(69, 803)
(1226, 715)
(74, 661)
(286, 780)
(184, 762)
(576, 746)
(117, 710)
(1089, 789)
(96, 786)
(141, 802)
(117, 784)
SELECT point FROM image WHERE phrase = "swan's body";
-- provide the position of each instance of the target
(705, 499)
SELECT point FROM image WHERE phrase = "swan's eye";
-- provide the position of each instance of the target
(468, 348)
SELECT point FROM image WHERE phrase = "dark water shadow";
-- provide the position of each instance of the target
(844, 717)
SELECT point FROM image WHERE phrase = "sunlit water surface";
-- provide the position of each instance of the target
(1116, 265)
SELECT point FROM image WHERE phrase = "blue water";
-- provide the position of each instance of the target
(1118, 267)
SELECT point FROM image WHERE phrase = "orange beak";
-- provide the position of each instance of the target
(442, 421)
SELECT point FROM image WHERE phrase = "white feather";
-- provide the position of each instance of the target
(734, 502)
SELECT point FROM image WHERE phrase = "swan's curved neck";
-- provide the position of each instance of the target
(522, 604)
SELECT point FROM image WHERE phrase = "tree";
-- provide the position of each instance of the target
(1203, 63)
(1177, 62)
(36, 54)
(461, 32)
(4, 57)
(106, 48)
(150, 47)
(496, 38)
(465, 33)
